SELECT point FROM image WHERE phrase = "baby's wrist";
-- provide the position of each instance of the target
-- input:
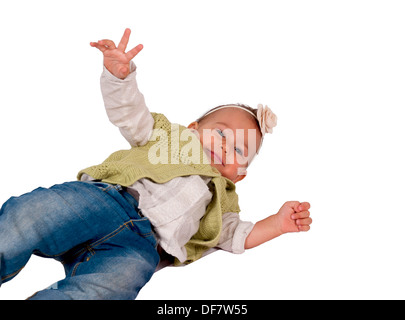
(275, 225)
(279, 225)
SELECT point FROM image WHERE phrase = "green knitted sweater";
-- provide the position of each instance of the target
(167, 156)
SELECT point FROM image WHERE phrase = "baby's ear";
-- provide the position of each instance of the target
(193, 125)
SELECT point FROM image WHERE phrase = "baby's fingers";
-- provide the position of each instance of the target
(98, 46)
(107, 43)
(303, 224)
(132, 53)
(300, 215)
(304, 206)
(304, 228)
(103, 45)
(124, 40)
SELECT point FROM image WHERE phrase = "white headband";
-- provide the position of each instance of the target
(230, 106)
(266, 118)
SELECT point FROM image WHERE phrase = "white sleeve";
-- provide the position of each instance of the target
(126, 108)
(234, 233)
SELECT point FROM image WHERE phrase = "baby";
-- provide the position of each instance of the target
(169, 198)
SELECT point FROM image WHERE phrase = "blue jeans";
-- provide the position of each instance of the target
(95, 229)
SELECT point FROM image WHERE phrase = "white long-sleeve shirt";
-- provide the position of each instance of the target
(176, 207)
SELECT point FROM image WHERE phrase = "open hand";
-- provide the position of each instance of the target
(115, 59)
(294, 217)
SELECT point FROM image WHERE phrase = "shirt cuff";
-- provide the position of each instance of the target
(241, 232)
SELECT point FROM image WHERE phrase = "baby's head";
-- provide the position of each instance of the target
(231, 135)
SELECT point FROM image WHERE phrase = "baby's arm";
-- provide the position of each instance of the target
(292, 217)
(124, 103)
(234, 233)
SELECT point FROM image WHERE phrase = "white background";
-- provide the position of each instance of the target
(333, 72)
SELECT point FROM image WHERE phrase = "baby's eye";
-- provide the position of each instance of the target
(239, 151)
(221, 133)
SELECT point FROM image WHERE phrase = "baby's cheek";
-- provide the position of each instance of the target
(230, 171)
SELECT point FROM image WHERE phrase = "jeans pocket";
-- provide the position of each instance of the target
(143, 228)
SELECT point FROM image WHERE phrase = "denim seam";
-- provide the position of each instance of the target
(50, 255)
(107, 237)
(90, 247)
(12, 274)
(75, 268)
(115, 232)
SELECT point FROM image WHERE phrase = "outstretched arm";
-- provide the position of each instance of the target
(124, 103)
(292, 217)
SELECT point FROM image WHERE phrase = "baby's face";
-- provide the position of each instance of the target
(230, 138)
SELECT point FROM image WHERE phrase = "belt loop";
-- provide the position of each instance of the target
(118, 187)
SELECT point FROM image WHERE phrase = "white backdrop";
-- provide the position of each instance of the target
(333, 72)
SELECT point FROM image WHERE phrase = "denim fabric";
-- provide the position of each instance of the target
(95, 229)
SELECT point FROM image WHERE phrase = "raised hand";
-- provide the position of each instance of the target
(115, 59)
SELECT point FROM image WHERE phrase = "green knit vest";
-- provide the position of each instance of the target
(173, 151)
